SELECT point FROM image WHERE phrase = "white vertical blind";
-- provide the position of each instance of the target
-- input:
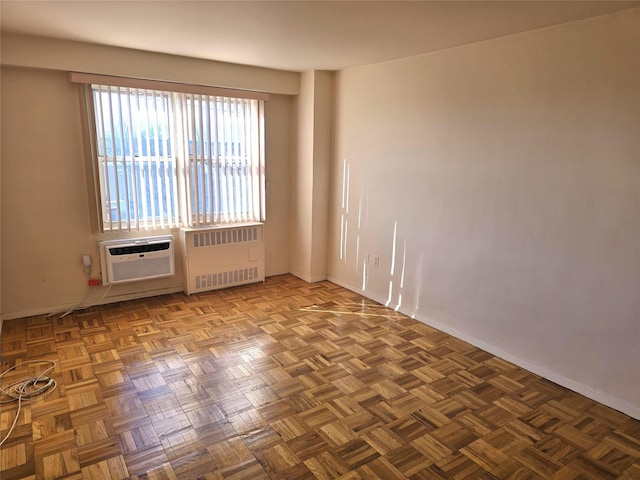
(136, 167)
(170, 159)
(226, 173)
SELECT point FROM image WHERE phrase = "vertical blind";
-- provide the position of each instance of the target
(225, 169)
(169, 159)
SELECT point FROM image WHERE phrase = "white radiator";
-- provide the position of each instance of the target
(223, 256)
(136, 259)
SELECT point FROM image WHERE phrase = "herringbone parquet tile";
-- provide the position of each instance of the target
(291, 380)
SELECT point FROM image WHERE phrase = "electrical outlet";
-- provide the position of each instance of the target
(376, 261)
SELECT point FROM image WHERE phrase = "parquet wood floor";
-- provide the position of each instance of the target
(287, 380)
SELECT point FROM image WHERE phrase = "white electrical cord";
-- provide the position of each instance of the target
(80, 305)
(27, 388)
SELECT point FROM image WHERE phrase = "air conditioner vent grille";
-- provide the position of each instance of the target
(129, 249)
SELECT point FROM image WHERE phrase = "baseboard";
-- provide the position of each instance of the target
(578, 387)
(277, 273)
(307, 278)
(62, 308)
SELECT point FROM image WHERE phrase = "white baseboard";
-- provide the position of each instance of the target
(307, 278)
(578, 387)
(276, 273)
(62, 308)
(594, 394)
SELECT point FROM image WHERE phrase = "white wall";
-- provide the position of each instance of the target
(45, 220)
(500, 185)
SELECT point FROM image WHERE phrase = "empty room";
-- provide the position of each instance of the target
(320, 240)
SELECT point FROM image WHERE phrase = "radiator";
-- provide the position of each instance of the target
(223, 256)
(136, 259)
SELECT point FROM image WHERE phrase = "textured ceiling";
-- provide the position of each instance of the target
(295, 35)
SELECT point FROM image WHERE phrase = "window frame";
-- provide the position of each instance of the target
(187, 216)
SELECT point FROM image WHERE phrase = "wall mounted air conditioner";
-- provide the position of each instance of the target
(222, 256)
(136, 259)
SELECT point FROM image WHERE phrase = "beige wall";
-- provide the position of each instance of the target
(310, 176)
(500, 185)
(45, 217)
(302, 179)
(278, 125)
(322, 143)
(54, 54)
(44, 198)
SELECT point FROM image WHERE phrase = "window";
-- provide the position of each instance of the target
(166, 159)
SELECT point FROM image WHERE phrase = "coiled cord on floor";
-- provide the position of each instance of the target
(26, 388)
